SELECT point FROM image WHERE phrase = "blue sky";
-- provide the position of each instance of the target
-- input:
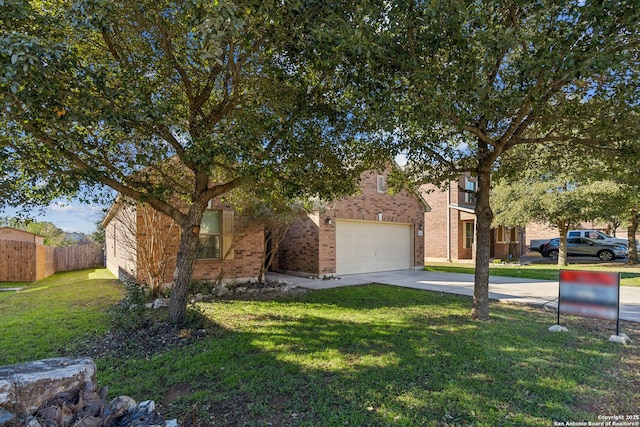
(68, 216)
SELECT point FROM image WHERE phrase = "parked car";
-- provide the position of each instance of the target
(537, 244)
(581, 246)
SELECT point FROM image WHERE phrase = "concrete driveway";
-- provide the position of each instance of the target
(507, 289)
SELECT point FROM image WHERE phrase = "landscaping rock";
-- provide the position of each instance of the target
(161, 303)
(63, 392)
(27, 386)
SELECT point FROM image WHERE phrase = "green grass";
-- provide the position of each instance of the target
(51, 313)
(371, 355)
(630, 275)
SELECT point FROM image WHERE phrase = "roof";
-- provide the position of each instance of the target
(20, 230)
(113, 210)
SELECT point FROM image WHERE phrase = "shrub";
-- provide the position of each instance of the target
(131, 313)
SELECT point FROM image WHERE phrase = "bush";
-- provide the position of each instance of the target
(131, 313)
(199, 287)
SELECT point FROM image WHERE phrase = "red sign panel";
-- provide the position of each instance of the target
(589, 294)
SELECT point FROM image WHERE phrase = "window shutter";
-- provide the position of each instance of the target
(227, 235)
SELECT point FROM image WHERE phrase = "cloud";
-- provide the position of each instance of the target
(86, 212)
(74, 217)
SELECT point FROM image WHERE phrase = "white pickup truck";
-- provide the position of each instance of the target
(597, 235)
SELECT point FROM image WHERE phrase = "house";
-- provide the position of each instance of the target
(451, 235)
(141, 242)
(372, 231)
(369, 232)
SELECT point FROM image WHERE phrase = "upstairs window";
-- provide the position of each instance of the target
(211, 235)
(470, 193)
(382, 187)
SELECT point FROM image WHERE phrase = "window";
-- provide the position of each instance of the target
(210, 235)
(597, 235)
(115, 241)
(468, 235)
(506, 235)
(382, 187)
(469, 195)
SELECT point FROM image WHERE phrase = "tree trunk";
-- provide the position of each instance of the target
(563, 228)
(185, 261)
(631, 236)
(484, 217)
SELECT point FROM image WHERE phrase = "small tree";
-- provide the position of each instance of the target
(556, 199)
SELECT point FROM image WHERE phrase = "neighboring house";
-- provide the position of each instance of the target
(139, 239)
(451, 231)
(370, 232)
(9, 233)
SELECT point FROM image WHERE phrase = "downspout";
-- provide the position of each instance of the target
(449, 222)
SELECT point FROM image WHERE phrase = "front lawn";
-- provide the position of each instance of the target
(365, 355)
(44, 316)
(630, 275)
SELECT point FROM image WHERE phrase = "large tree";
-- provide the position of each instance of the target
(172, 104)
(467, 81)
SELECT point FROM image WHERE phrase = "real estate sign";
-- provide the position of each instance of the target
(593, 294)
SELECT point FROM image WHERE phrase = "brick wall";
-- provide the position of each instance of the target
(435, 236)
(243, 263)
(310, 245)
(247, 256)
(436, 223)
(299, 251)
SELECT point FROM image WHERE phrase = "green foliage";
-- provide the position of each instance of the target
(378, 355)
(107, 93)
(99, 236)
(462, 83)
(131, 314)
(200, 287)
(174, 104)
(475, 79)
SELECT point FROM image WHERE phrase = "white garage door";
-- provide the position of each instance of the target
(365, 247)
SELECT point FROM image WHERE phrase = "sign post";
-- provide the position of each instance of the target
(594, 294)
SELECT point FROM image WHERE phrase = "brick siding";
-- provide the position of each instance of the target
(248, 244)
(310, 245)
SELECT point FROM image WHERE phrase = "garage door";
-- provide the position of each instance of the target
(365, 247)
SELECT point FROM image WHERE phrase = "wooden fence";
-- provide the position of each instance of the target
(28, 261)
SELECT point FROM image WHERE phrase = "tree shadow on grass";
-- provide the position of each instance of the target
(346, 358)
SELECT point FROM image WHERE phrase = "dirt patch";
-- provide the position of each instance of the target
(177, 391)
